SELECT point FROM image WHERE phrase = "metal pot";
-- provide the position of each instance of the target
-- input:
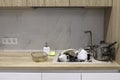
(103, 51)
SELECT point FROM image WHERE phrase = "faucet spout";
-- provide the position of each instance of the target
(90, 34)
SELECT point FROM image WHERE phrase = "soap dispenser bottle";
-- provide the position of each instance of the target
(46, 48)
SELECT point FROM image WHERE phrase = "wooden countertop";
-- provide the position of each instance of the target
(20, 60)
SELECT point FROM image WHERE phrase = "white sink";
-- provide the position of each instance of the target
(86, 62)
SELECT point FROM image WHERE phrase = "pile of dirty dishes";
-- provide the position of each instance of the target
(72, 55)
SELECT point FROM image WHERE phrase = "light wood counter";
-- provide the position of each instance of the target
(10, 61)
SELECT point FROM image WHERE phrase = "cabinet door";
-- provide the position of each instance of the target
(62, 2)
(12, 3)
(35, 2)
(61, 76)
(100, 76)
(56, 2)
(20, 76)
(90, 2)
(5, 3)
(18, 3)
(50, 2)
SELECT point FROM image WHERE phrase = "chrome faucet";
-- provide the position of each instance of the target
(90, 34)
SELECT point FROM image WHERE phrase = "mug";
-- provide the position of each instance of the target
(82, 55)
(64, 58)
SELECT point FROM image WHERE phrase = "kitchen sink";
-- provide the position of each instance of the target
(93, 61)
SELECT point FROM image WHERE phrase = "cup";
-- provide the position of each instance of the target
(64, 58)
(82, 55)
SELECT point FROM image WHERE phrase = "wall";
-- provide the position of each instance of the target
(62, 28)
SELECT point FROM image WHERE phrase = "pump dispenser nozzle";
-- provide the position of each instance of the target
(46, 44)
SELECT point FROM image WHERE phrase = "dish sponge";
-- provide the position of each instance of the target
(52, 53)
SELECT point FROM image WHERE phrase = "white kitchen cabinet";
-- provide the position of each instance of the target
(100, 76)
(61, 76)
(20, 76)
